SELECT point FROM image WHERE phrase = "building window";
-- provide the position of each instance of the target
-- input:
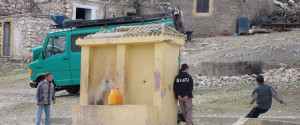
(202, 6)
(84, 12)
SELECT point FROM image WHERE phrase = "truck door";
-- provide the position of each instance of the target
(57, 60)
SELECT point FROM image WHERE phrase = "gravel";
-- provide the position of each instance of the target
(273, 49)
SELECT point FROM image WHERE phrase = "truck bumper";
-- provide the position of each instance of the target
(32, 84)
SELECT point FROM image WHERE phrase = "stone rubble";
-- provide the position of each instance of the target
(281, 77)
(288, 12)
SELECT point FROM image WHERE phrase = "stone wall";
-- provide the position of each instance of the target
(255, 8)
(14, 6)
(221, 22)
(231, 68)
(37, 6)
(29, 31)
(65, 7)
(115, 9)
(107, 9)
(51, 8)
(152, 10)
(223, 18)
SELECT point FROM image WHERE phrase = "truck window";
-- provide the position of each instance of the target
(48, 51)
(59, 43)
(74, 37)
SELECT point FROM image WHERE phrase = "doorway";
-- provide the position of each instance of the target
(6, 39)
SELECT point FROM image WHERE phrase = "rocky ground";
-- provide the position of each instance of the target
(230, 95)
(281, 77)
(273, 49)
(214, 96)
(279, 50)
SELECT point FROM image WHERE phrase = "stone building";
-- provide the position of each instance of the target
(219, 17)
(25, 23)
(20, 33)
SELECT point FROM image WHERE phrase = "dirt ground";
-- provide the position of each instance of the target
(273, 48)
(18, 104)
(17, 99)
(233, 100)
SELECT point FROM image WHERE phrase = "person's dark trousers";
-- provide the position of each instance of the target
(181, 117)
(255, 112)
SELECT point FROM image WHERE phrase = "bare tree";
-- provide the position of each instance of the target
(137, 4)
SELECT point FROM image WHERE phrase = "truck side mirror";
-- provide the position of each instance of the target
(43, 54)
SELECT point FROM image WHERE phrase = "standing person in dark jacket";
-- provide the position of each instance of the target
(183, 87)
(44, 94)
(262, 94)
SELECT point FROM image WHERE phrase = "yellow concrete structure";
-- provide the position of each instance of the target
(115, 115)
(142, 62)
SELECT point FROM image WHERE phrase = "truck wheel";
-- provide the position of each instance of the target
(36, 85)
(73, 89)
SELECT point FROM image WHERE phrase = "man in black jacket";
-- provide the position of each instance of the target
(262, 94)
(183, 87)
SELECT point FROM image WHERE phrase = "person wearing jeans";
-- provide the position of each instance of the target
(42, 108)
(183, 88)
(44, 94)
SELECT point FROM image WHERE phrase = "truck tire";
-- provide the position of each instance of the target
(36, 85)
(73, 89)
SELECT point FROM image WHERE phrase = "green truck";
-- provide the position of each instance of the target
(62, 57)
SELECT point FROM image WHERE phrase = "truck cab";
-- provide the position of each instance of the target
(62, 57)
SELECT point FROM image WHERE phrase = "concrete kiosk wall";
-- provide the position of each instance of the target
(142, 62)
